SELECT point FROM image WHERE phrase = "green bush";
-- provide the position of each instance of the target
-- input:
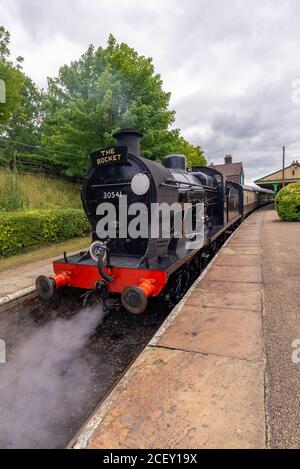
(287, 202)
(24, 231)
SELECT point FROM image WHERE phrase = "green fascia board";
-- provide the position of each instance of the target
(260, 181)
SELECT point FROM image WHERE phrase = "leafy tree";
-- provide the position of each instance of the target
(105, 89)
(4, 43)
(195, 154)
(11, 76)
(20, 116)
(24, 125)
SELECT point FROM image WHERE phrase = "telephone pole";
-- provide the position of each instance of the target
(283, 167)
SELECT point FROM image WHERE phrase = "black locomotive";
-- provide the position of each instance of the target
(138, 268)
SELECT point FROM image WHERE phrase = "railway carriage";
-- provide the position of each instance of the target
(254, 197)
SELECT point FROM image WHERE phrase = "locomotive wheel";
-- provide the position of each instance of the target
(196, 267)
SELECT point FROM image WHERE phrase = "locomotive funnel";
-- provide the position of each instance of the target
(129, 138)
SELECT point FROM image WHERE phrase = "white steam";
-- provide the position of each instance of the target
(46, 380)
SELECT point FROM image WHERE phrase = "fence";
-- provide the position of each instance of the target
(31, 159)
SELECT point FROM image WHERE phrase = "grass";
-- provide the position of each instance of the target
(27, 191)
(52, 250)
(24, 192)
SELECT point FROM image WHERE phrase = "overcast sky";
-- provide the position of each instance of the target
(230, 64)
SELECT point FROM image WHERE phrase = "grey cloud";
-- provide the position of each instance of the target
(228, 63)
(236, 125)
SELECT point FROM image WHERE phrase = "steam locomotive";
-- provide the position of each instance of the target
(136, 269)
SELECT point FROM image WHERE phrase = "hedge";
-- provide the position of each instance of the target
(24, 231)
(287, 202)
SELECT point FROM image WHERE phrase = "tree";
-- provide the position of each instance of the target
(105, 89)
(20, 115)
(11, 76)
(195, 154)
(24, 125)
(4, 43)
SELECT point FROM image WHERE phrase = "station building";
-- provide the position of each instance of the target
(274, 181)
(233, 171)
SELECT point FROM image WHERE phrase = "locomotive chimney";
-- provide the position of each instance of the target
(129, 138)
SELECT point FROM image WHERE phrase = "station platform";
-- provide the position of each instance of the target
(212, 376)
(17, 276)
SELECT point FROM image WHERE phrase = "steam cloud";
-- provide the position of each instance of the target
(44, 383)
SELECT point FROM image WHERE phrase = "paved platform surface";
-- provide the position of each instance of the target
(281, 280)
